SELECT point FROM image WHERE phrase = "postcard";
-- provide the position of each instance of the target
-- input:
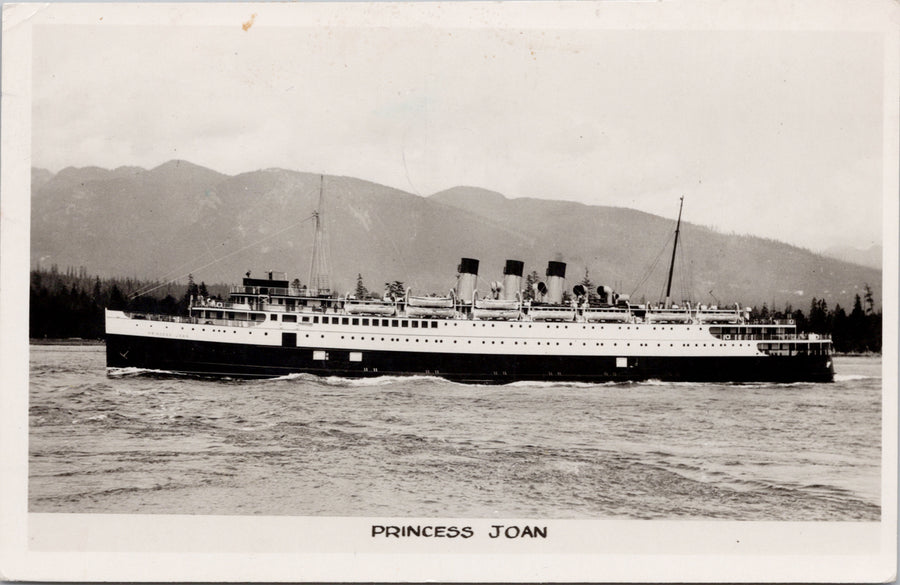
(449, 291)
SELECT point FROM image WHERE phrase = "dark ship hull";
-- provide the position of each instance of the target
(236, 360)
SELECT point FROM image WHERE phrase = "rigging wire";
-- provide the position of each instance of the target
(653, 265)
(219, 259)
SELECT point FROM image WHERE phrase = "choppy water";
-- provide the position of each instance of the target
(301, 445)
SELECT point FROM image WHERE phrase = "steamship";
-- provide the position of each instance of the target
(271, 327)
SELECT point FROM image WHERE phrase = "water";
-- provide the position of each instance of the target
(139, 443)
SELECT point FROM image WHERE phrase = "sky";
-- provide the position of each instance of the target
(776, 133)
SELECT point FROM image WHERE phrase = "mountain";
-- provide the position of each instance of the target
(179, 218)
(870, 256)
(39, 178)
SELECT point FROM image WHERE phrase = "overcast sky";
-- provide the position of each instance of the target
(773, 133)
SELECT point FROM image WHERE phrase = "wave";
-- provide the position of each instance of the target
(852, 377)
(136, 372)
(546, 384)
(342, 382)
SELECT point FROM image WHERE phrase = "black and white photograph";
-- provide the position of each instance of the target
(511, 291)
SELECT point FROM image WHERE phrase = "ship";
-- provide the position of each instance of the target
(272, 327)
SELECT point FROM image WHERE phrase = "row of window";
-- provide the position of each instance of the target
(364, 321)
(413, 323)
(547, 343)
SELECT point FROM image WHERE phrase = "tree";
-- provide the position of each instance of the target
(840, 335)
(818, 316)
(361, 290)
(870, 301)
(95, 294)
(588, 285)
(856, 327)
(192, 292)
(531, 279)
(395, 289)
(799, 320)
(201, 290)
(169, 305)
(116, 298)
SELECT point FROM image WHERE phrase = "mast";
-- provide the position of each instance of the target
(674, 248)
(318, 268)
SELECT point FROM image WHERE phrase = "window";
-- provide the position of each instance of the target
(289, 318)
(434, 324)
(315, 319)
(404, 323)
(273, 317)
(356, 321)
(394, 322)
(345, 321)
(365, 321)
(385, 323)
(289, 340)
(415, 324)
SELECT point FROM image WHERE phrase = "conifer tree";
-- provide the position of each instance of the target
(361, 291)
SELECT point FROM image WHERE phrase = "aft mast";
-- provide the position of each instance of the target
(319, 281)
(674, 248)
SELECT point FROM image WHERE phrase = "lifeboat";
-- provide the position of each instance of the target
(369, 308)
(430, 302)
(499, 314)
(505, 309)
(668, 316)
(497, 304)
(552, 313)
(718, 317)
(607, 314)
(443, 312)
